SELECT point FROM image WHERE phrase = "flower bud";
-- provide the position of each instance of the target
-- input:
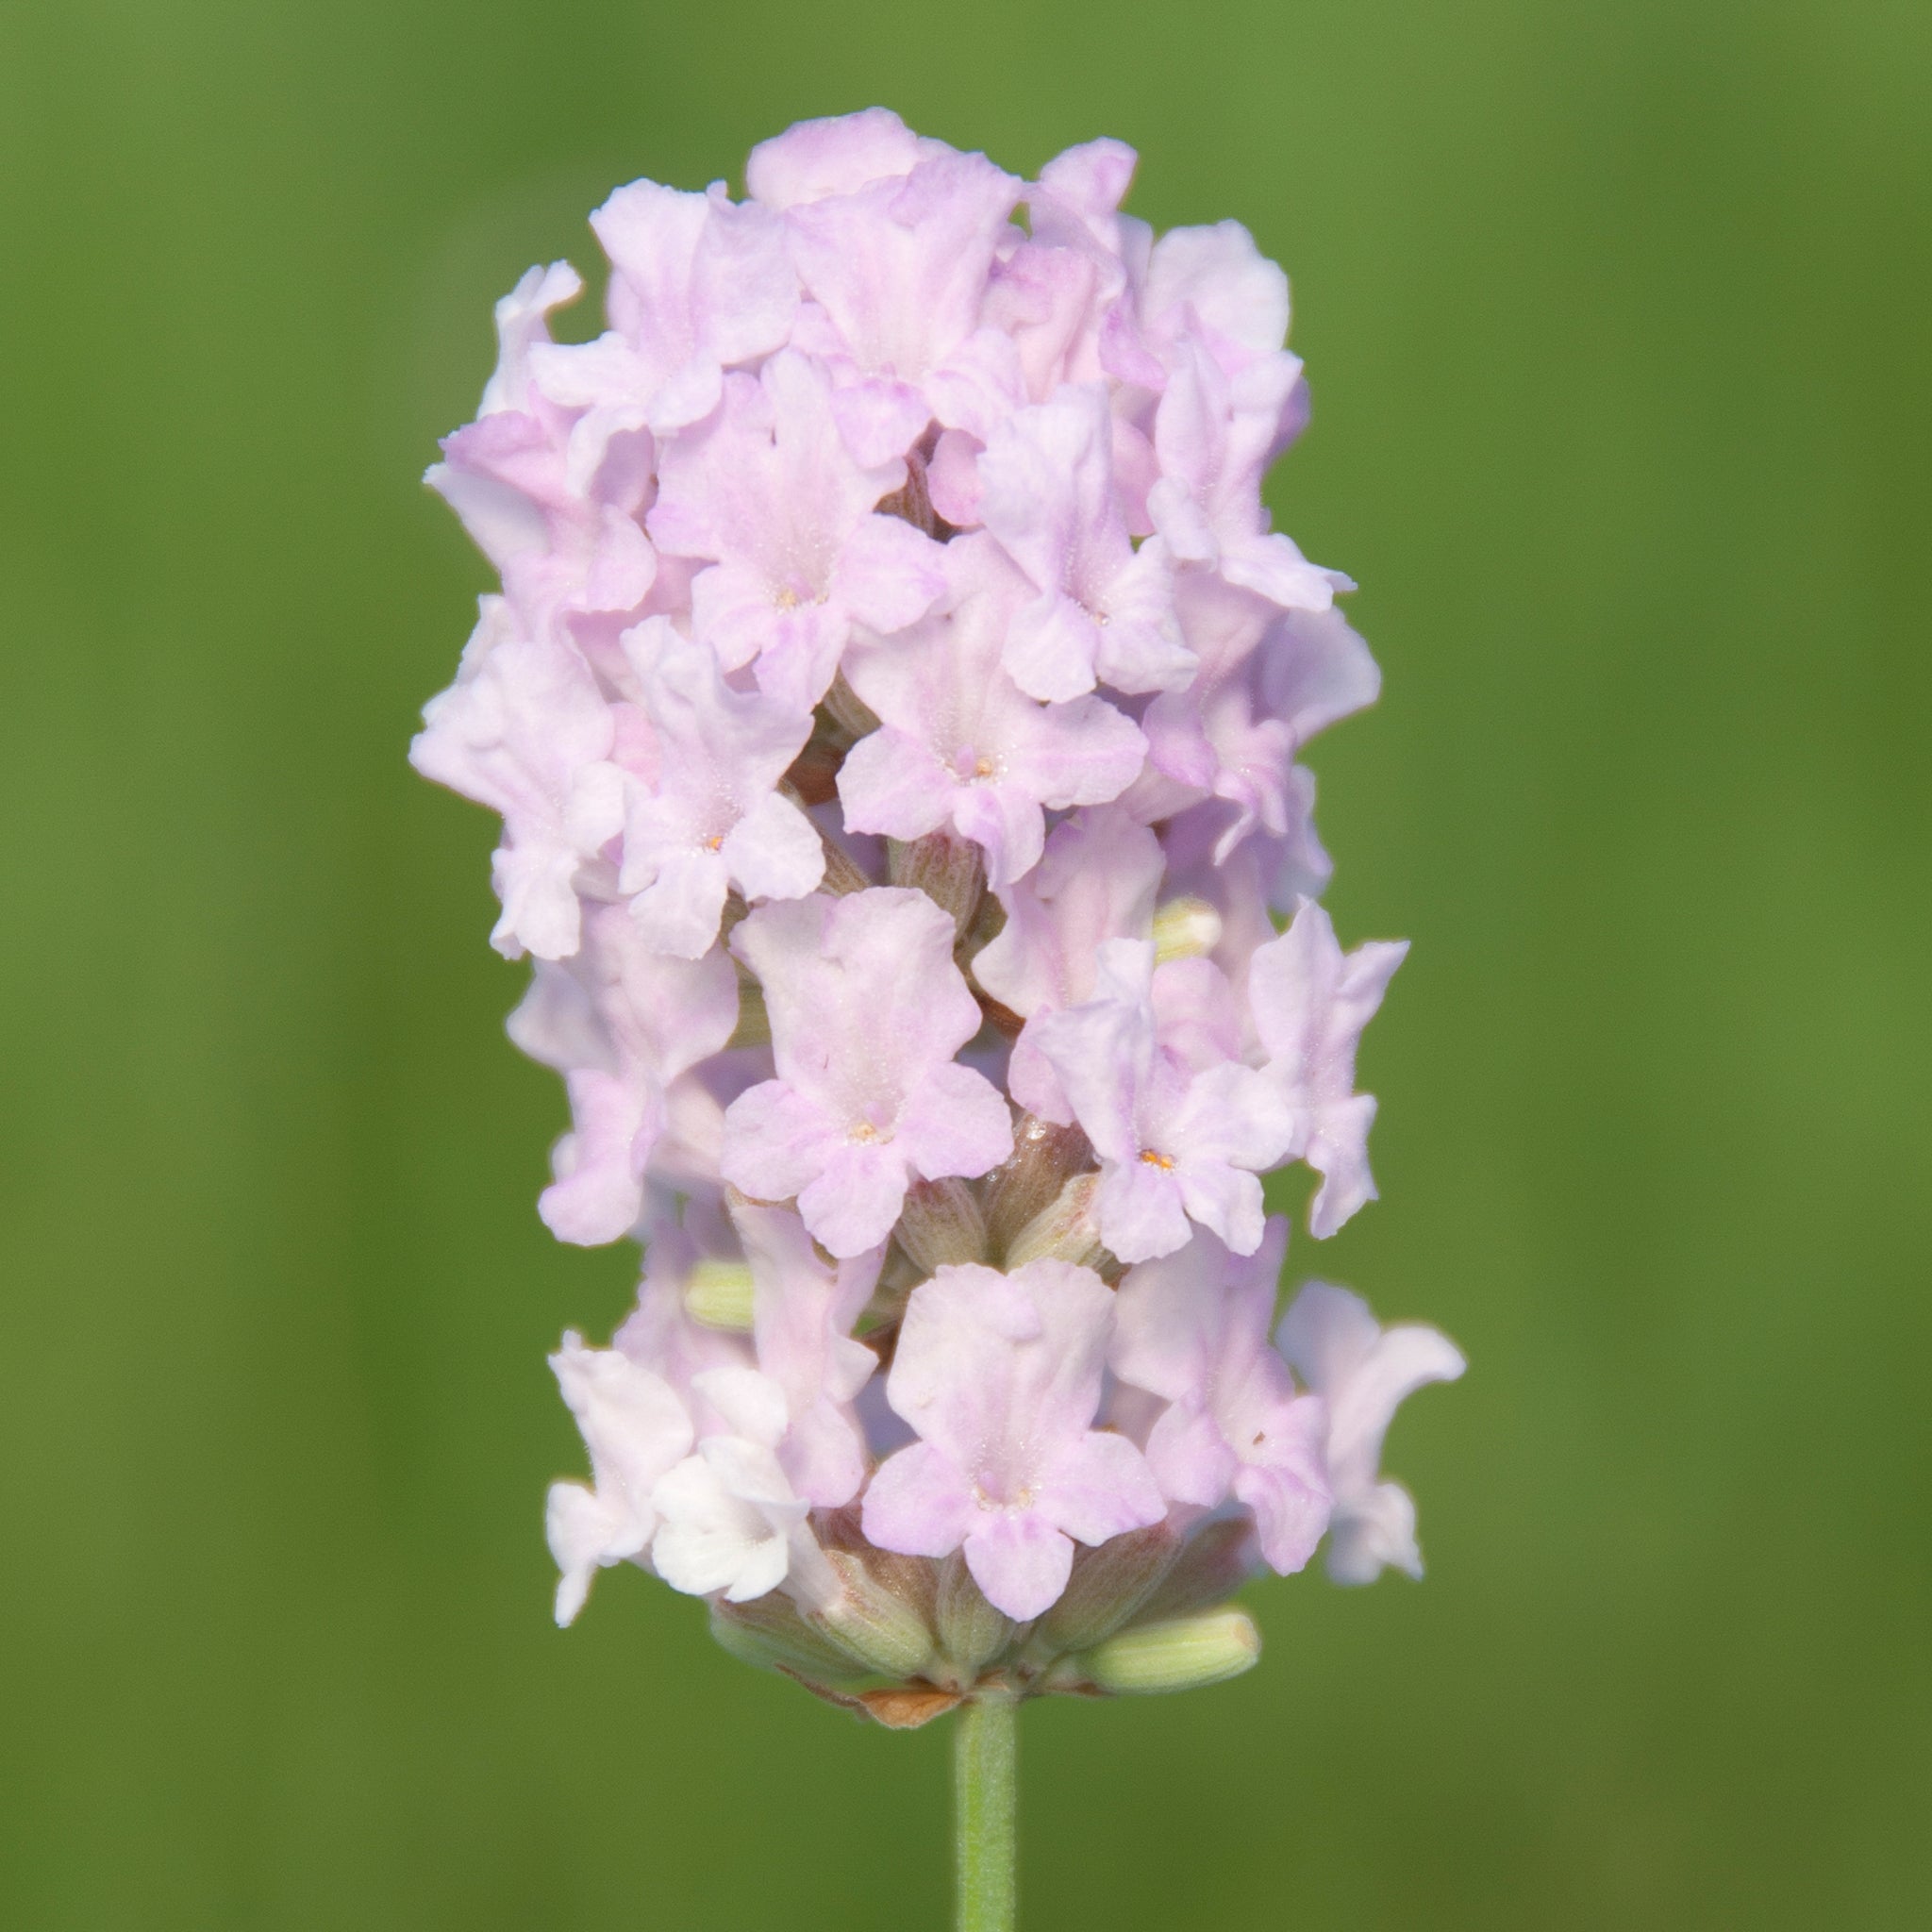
(1185, 929)
(1045, 1156)
(948, 869)
(847, 715)
(1185, 1655)
(769, 1632)
(717, 1295)
(871, 1625)
(941, 1224)
(1213, 1563)
(1068, 1230)
(753, 1026)
(971, 1631)
(1108, 1586)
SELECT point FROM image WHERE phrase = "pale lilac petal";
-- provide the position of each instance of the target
(867, 1008)
(1166, 1315)
(773, 852)
(1019, 1560)
(678, 912)
(1096, 882)
(1046, 484)
(584, 1535)
(1362, 1404)
(776, 1141)
(696, 283)
(952, 478)
(880, 419)
(1225, 1199)
(1190, 1455)
(899, 264)
(1033, 1083)
(893, 784)
(1328, 1335)
(1363, 1372)
(1219, 272)
(1081, 752)
(710, 1540)
(1142, 1215)
(1051, 647)
(1097, 1488)
(1005, 821)
(1103, 1052)
(919, 1503)
(1337, 1149)
(888, 574)
(598, 1192)
(838, 155)
(1291, 1511)
(852, 1202)
(1234, 1115)
(1310, 1003)
(1378, 1533)
(803, 1314)
(955, 1122)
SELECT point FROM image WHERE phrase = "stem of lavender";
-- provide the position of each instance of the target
(985, 1848)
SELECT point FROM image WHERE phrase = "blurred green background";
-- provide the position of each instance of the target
(1616, 317)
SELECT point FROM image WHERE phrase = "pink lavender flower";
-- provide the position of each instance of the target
(1182, 1127)
(1001, 1376)
(959, 744)
(1363, 1370)
(1311, 1003)
(714, 820)
(624, 1025)
(769, 491)
(1103, 611)
(637, 1431)
(524, 730)
(1194, 1329)
(867, 1012)
(894, 702)
(803, 1313)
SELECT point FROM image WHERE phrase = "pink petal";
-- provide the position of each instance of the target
(892, 783)
(918, 1504)
(851, 1203)
(1098, 1487)
(1190, 1457)
(1019, 1560)
(1141, 1212)
(888, 574)
(773, 852)
(835, 155)
(955, 1122)
(775, 1141)
(678, 912)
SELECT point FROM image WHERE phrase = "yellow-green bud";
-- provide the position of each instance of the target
(871, 1625)
(717, 1294)
(1181, 1655)
(1185, 929)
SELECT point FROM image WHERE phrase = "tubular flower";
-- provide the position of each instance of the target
(894, 702)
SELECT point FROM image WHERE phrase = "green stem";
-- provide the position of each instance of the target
(983, 1814)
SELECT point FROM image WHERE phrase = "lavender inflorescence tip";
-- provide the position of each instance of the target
(893, 703)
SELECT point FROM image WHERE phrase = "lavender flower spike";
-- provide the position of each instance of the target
(894, 702)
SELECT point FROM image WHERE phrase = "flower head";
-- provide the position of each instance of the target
(894, 703)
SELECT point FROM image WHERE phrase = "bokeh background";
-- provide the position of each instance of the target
(1616, 317)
